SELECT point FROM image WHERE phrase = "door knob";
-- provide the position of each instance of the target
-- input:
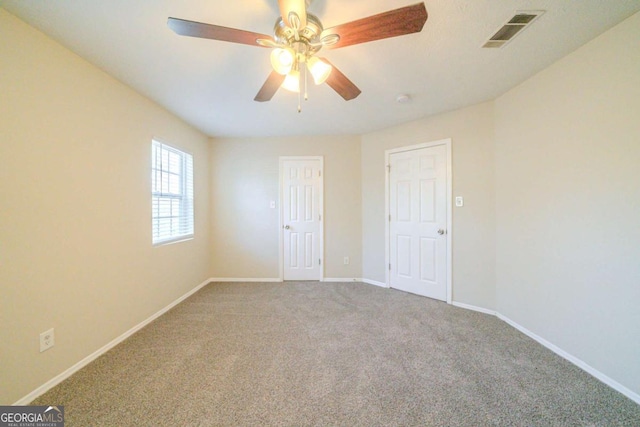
(441, 232)
(286, 227)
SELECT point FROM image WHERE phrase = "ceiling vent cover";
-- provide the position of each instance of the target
(512, 28)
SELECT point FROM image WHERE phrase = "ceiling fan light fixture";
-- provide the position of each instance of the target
(319, 69)
(282, 60)
(292, 81)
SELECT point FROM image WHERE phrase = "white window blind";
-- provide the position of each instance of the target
(172, 193)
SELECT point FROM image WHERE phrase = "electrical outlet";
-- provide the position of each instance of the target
(47, 340)
(346, 260)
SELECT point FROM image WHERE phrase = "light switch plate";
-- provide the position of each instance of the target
(272, 204)
(459, 201)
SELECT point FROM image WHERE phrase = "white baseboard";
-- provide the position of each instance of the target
(340, 279)
(473, 307)
(374, 282)
(93, 356)
(250, 279)
(557, 350)
(579, 363)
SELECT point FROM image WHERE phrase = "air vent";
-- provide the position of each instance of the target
(512, 28)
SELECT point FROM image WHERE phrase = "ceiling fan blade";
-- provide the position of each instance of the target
(299, 7)
(269, 43)
(398, 22)
(341, 84)
(214, 32)
(270, 87)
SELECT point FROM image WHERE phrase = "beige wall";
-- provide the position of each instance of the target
(245, 178)
(75, 227)
(471, 131)
(568, 203)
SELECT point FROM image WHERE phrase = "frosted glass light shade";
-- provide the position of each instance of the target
(319, 70)
(282, 60)
(292, 81)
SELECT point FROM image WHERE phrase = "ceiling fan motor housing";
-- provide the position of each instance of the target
(309, 36)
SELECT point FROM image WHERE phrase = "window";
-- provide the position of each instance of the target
(172, 193)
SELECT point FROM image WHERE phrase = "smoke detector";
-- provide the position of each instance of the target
(403, 98)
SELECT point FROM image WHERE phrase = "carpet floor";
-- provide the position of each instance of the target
(332, 354)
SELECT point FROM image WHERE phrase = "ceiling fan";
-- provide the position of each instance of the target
(299, 36)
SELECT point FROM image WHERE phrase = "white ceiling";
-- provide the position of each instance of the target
(211, 84)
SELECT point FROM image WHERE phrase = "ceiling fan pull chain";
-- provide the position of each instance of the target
(299, 97)
(306, 95)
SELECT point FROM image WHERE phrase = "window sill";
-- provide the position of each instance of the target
(172, 241)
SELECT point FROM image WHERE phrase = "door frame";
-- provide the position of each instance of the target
(281, 161)
(387, 234)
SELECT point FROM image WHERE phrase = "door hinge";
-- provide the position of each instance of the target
(319, 261)
(389, 218)
(319, 217)
(389, 168)
(319, 173)
(389, 266)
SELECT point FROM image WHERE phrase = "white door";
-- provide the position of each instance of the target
(301, 218)
(418, 219)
